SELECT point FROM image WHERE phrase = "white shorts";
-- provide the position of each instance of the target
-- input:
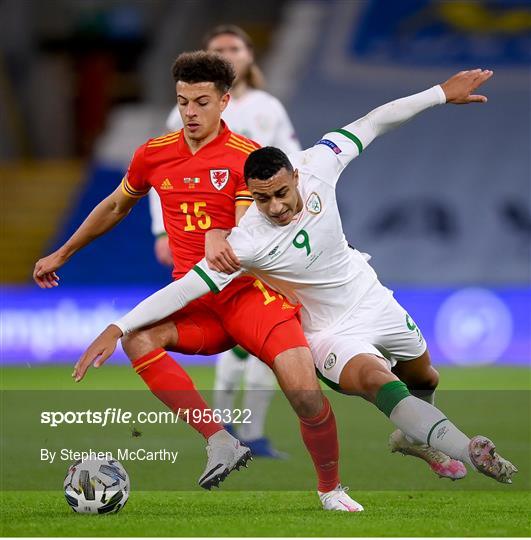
(377, 325)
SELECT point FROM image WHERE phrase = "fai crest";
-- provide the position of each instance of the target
(313, 204)
(219, 178)
(330, 361)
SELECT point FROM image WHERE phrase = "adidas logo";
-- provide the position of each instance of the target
(166, 184)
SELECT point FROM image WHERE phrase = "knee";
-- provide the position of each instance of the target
(137, 344)
(307, 403)
(427, 380)
(432, 379)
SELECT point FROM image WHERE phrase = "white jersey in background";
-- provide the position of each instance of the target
(256, 115)
(309, 260)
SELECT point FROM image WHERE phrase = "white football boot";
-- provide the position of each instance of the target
(338, 500)
(439, 462)
(487, 461)
(223, 458)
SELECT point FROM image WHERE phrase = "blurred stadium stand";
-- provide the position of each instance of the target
(443, 202)
(26, 234)
(445, 199)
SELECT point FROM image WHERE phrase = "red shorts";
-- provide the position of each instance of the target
(244, 313)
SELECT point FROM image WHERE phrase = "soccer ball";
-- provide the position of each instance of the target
(96, 486)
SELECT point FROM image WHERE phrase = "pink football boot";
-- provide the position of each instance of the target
(441, 464)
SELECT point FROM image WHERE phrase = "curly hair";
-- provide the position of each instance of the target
(265, 162)
(201, 66)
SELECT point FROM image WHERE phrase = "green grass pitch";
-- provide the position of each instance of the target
(272, 498)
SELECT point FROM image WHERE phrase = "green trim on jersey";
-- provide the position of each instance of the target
(352, 137)
(240, 352)
(390, 395)
(204, 276)
(433, 427)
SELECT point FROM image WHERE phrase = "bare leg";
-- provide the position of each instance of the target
(160, 335)
(364, 375)
(295, 372)
(419, 375)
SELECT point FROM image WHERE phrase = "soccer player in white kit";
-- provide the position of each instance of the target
(292, 238)
(258, 115)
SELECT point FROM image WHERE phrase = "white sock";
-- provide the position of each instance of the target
(428, 398)
(260, 384)
(425, 424)
(221, 437)
(229, 371)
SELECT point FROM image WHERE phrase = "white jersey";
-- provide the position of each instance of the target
(308, 260)
(258, 116)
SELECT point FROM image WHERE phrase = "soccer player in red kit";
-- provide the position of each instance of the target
(198, 193)
(198, 174)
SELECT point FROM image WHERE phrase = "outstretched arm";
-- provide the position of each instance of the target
(164, 302)
(156, 307)
(458, 90)
(104, 217)
(196, 283)
(337, 148)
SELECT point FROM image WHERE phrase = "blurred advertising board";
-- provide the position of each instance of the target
(462, 326)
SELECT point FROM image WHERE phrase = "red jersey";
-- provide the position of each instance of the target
(198, 191)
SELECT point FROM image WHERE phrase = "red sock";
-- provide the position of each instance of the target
(173, 386)
(320, 437)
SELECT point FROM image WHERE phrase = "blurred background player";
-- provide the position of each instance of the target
(258, 115)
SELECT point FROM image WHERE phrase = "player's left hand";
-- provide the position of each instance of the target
(99, 350)
(218, 252)
(459, 88)
(44, 272)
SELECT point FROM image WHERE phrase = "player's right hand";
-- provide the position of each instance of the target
(44, 272)
(218, 252)
(458, 88)
(98, 351)
(162, 250)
